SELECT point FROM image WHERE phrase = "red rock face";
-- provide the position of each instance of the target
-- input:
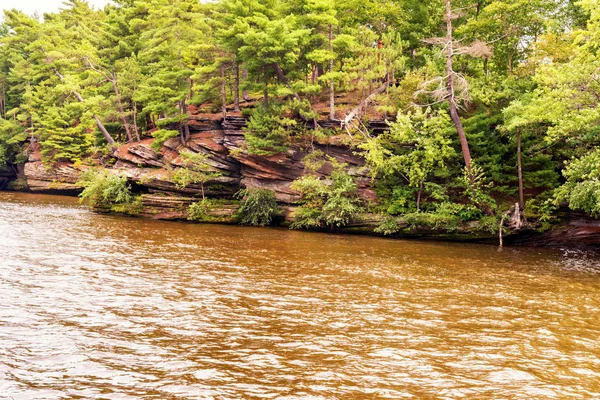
(575, 230)
(224, 144)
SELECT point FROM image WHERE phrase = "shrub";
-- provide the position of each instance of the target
(582, 187)
(432, 220)
(342, 199)
(268, 130)
(489, 224)
(541, 209)
(197, 170)
(446, 215)
(477, 186)
(198, 211)
(161, 136)
(104, 190)
(388, 225)
(258, 206)
(333, 204)
(11, 137)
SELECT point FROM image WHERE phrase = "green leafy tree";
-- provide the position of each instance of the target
(171, 33)
(197, 170)
(416, 145)
(106, 191)
(332, 203)
(258, 206)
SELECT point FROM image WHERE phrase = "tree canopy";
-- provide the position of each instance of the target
(513, 85)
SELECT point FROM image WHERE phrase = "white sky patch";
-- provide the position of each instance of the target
(41, 6)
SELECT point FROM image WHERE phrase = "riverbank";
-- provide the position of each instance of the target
(222, 143)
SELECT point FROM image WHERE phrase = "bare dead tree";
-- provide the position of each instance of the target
(453, 88)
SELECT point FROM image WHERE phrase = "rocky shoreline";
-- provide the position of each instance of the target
(222, 141)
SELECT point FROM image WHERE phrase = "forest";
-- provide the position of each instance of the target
(490, 107)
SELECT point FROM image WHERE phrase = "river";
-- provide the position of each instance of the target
(109, 307)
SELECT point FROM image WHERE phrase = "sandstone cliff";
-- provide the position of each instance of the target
(222, 141)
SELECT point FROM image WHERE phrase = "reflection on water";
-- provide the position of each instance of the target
(97, 306)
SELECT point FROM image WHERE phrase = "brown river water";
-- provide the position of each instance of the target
(107, 307)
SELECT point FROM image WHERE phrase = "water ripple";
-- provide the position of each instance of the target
(98, 306)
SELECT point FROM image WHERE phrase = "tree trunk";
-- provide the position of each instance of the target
(357, 111)
(3, 102)
(331, 82)
(266, 95)
(135, 126)
(185, 128)
(245, 92)
(99, 124)
(223, 93)
(236, 89)
(451, 99)
(186, 131)
(105, 133)
(280, 74)
(283, 79)
(520, 171)
(122, 109)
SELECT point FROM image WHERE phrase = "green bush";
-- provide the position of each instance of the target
(446, 215)
(12, 135)
(341, 205)
(432, 220)
(489, 224)
(477, 186)
(333, 204)
(268, 130)
(199, 211)
(161, 136)
(197, 170)
(388, 225)
(258, 207)
(542, 209)
(582, 187)
(104, 190)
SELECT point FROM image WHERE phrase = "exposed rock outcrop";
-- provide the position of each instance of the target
(223, 143)
(151, 173)
(573, 230)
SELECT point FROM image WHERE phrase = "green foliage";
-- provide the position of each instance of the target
(446, 215)
(333, 203)
(432, 220)
(582, 187)
(12, 135)
(388, 225)
(342, 203)
(542, 209)
(489, 224)
(106, 191)
(258, 206)
(314, 194)
(211, 211)
(268, 130)
(416, 144)
(402, 200)
(197, 170)
(200, 211)
(476, 187)
(161, 136)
